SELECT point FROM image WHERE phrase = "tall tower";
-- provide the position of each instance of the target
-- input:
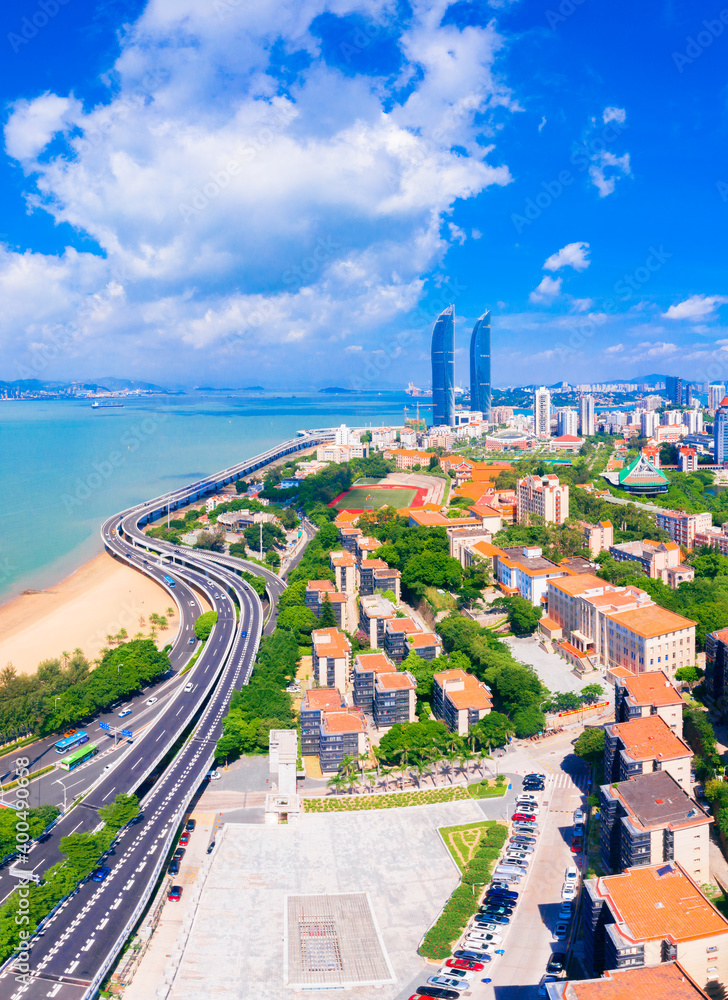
(480, 394)
(443, 368)
(720, 434)
(587, 425)
(542, 413)
(674, 387)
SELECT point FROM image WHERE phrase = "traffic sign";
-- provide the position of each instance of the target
(127, 733)
(105, 725)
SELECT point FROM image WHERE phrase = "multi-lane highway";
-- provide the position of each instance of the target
(78, 943)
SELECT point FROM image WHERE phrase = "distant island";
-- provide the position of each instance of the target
(337, 390)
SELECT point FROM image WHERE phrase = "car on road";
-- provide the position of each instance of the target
(173, 867)
(568, 891)
(175, 893)
(244, 634)
(448, 982)
(566, 911)
(437, 991)
(69, 732)
(473, 955)
(534, 775)
(100, 873)
(123, 713)
(542, 991)
(561, 932)
(556, 964)
(184, 840)
(191, 642)
(466, 964)
(188, 687)
(571, 874)
(151, 701)
(192, 604)
(190, 825)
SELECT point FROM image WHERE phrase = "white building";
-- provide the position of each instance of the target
(345, 436)
(542, 413)
(567, 422)
(542, 497)
(587, 423)
(648, 424)
(716, 393)
(693, 420)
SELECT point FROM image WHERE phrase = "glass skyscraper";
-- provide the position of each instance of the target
(480, 394)
(443, 368)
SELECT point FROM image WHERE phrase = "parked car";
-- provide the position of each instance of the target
(190, 825)
(175, 893)
(566, 910)
(516, 851)
(522, 817)
(472, 955)
(179, 853)
(579, 816)
(173, 867)
(526, 797)
(504, 888)
(455, 973)
(480, 935)
(492, 918)
(542, 991)
(556, 964)
(437, 991)
(211, 847)
(561, 932)
(492, 938)
(533, 786)
(568, 891)
(497, 909)
(184, 840)
(571, 874)
(523, 838)
(578, 830)
(534, 775)
(516, 859)
(504, 898)
(464, 963)
(449, 982)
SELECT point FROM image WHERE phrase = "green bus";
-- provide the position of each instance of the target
(79, 756)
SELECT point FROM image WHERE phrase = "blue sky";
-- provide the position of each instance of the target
(287, 192)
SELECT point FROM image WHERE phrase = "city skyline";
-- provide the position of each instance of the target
(172, 227)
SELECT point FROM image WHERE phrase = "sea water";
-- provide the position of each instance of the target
(65, 467)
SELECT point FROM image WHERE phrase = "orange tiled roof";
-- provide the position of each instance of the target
(320, 585)
(668, 981)
(379, 663)
(346, 517)
(395, 682)
(651, 621)
(549, 622)
(343, 722)
(650, 738)
(652, 688)
(330, 642)
(685, 913)
(484, 510)
(577, 585)
(487, 549)
(405, 625)
(472, 695)
(342, 559)
(421, 639)
(326, 699)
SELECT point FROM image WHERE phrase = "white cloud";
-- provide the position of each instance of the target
(614, 349)
(696, 307)
(354, 347)
(228, 214)
(547, 290)
(542, 122)
(457, 235)
(475, 234)
(581, 305)
(648, 349)
(572, 255)
(614, 115)
(607, 170)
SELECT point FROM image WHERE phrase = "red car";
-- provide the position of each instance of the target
(175, 893)
(464, 963)
(523, 818)
(184, 840)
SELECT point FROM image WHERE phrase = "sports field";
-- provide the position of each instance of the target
(374, 497)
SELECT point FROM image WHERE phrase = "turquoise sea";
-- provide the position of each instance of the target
(64, 467)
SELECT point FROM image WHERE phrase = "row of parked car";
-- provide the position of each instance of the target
(483, 938)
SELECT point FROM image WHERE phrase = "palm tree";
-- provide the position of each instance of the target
(169, 611)
(336, 781)
(65, 657)
(464, 759)
(384, 773)
(419, 768)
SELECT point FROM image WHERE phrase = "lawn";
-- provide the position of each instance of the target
(374, 497)
(440, 602)
(462, 841)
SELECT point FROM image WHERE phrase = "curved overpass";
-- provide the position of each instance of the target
(71, 964)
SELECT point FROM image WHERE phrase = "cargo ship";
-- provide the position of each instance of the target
(96, 405)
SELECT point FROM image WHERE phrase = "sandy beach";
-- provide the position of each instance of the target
(97, 600)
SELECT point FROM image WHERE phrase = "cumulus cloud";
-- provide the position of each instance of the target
(228, 214)
(696, 307)
(614, 349)
(614, 115)
(607, 170)
(546, 291)
(572, 255)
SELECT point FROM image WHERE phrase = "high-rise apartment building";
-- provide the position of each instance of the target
(566, 420)
(542, 498)
(716, 393)
(542, 413)
(648, 423)
(693, 420)
(587, 423)
(443, 368)
(720, 433)
(674, 386)
(480, 394)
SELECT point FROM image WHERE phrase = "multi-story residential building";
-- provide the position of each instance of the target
(339, 453)
(716, 395)
(480, 394)
(375, 574)
(383, 436)
(342, 734)
(637, 696)
(645, 745)
(349, 535)
(587, 423)
(650, 915)
(331, 657)
(716, 538)
(344, 566)
(395, 699)
(620, 626)
(542, 413)
(544, 498)
(693, 420)
(526, 572)
(396, 631)
(674, 386)
(315, 703)
(688, 459)
(443, 368)
(407, 459)
(463, 539)
(365, 546)
(367, 666)
(681, 527)
(659, 560)
(314, 590)
(460, 700)
(500, 415)
(720, 434)
(427, 645)
(319, 592)
(669, 980)
(649, 819)
(649, 421)
(374, 612)
(716, 666)
(567, 421)
(598, 537)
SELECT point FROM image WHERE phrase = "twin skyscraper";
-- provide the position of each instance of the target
(443, 367)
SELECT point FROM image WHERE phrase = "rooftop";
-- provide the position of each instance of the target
(377, 662)
(419, 640)
(330, 642)
(377, 606)
(350, 721)
(343, 559)
(656, 800)
(660, 902)
(650, 738)
(651, 621)
(533, 565)
(651, 688)
(396, 682)
(575, 586)
(324, 699)
(464, 690)
(374, 564)
(668, 981)
(320, 585)
(405, 625)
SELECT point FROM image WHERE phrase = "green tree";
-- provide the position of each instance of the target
(590, 745)
(492, 731)
(326, 618)
(300, 621)
(689, 675)
(592, 692)
(212, 541)
(204, 625)
(528, 720)
(523, 618)
(238, 550)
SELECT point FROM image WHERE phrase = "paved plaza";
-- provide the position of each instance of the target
(237, 945)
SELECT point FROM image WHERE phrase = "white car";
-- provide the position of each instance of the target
(568, 891)
(151, 701)
(527, 797)
(460, 973)
(188, 687)
(529, 808)
(520, 855)
(449, 982)
(579, 816)
(571, 874)
(481, 936)
(515, 846)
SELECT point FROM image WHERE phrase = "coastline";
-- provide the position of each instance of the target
(99, 598)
